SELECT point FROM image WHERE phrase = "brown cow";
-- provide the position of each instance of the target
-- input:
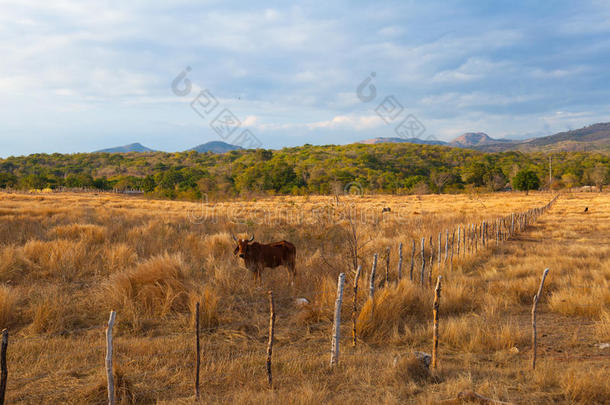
(257, 256)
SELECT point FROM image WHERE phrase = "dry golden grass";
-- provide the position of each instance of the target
(67, 259)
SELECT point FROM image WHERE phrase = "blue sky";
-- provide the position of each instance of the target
(83, 75)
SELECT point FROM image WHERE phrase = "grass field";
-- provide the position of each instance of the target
(66, 260)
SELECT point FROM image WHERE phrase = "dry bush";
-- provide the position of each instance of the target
(394, 308)
(8, 306)
(86, 232)
(154, 288)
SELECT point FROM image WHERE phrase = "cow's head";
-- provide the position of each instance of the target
(242, 246)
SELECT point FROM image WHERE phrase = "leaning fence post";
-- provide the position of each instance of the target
(423, 260)
(400, 261)
(354, 306)
(271, 334)
(4, 370)
(437, 297)
(334, 353)
(534, 306)
(198, 351)
(109, 370)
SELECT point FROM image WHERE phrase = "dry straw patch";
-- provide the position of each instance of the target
(154, 288)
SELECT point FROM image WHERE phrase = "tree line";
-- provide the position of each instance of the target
(381, 168)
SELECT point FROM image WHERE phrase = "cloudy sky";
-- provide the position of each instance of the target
(84, 75)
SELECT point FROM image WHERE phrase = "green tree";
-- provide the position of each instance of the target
(526, 180)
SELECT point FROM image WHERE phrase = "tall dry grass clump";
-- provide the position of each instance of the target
(473, 333)
(154, 288)
(587, 299)
(584, 386)
(13, 263)
(88, 232)
(61, 259)
(320, 309)
(394, 308)
(53, 311)
(8, 306)
(208, 299)
(602, 327)
(119, 257)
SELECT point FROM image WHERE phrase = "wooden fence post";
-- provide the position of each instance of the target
(197, 351)
(372, 280)
(387, 267)
(412, 261)
(437, 297)
(440, 243)
(451, 248)
(354, 306)
(109, 370)
(3, 368)
(271, 335)
(431, 264)
(446, 247)
(334, 353)
(423, 260)
(399, 261)
(534, 306)
(458, 242)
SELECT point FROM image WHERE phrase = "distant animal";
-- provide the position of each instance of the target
(386, 209)
(257, 256)
(586, 209)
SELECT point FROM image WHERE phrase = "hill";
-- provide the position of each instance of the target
(133, 147)
(215, 147)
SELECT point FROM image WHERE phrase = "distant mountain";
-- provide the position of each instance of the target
(402, 140)
(134, 147)
(595, 137)
(474, 139)
(215, 147)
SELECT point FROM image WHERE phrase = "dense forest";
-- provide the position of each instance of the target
(381, 168)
